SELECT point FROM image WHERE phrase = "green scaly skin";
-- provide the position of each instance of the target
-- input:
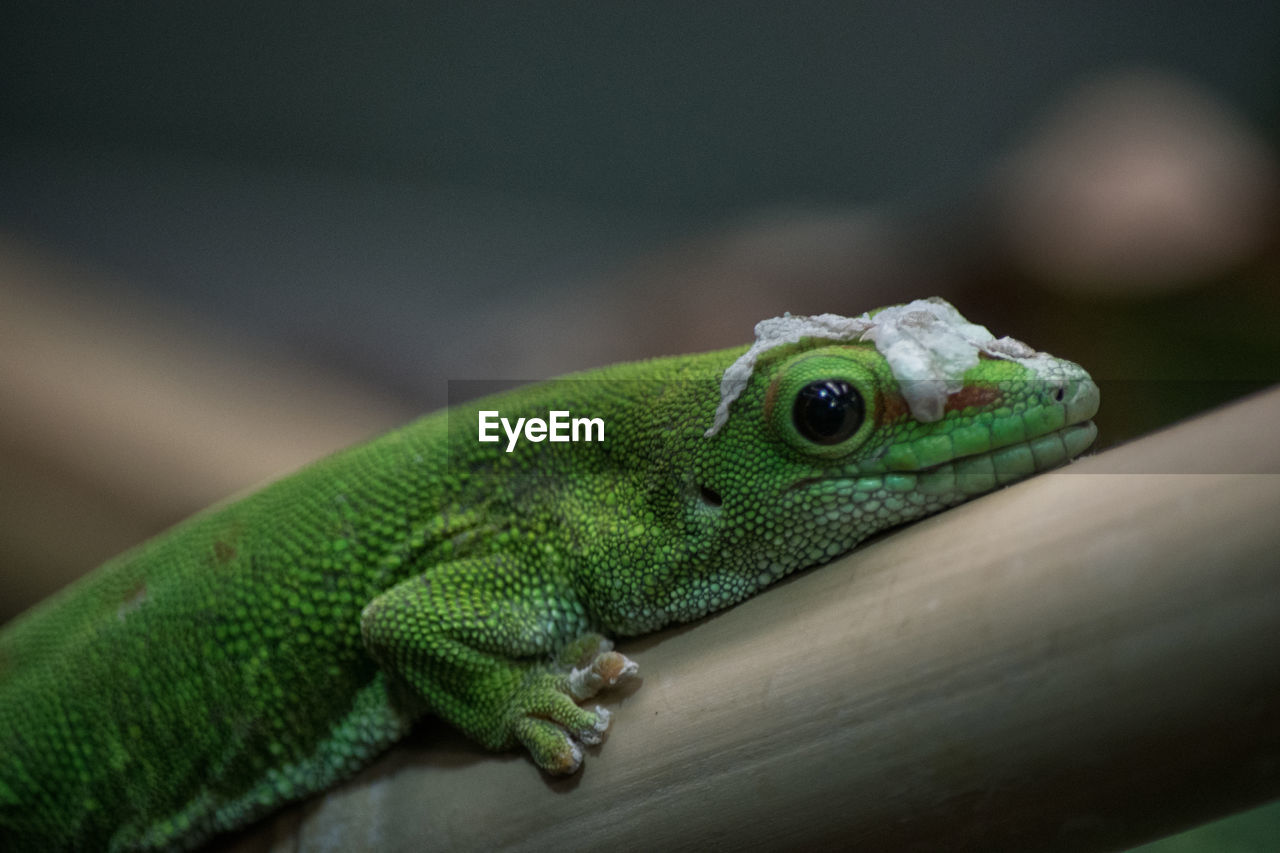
(269, 647)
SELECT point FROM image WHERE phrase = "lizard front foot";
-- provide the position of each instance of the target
(477, 671)
(550, 724)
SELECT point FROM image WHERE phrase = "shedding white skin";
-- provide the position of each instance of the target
(927, 344)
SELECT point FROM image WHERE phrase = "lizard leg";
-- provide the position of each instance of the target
(503, 665)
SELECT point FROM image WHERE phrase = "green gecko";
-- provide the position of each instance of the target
(270, 646)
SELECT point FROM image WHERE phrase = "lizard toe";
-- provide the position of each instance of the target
(550, 746)
(553, 728)
(607, 669)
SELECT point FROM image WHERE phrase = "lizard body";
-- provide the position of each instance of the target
(273, 645)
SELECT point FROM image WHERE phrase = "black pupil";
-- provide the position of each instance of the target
(828, 411)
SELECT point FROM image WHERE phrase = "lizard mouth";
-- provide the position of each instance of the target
(978, 473)
(1001, 466)
(1010, 461)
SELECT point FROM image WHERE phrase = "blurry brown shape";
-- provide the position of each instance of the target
(1141, 181)
(118, 417)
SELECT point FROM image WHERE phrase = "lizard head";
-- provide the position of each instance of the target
(836, 428)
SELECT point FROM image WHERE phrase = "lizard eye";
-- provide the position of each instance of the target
(822, 403)
(828, 411)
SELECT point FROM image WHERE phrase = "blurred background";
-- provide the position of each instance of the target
(235, 237)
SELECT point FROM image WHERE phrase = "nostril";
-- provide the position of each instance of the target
(709, 496)
(1060, 394)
